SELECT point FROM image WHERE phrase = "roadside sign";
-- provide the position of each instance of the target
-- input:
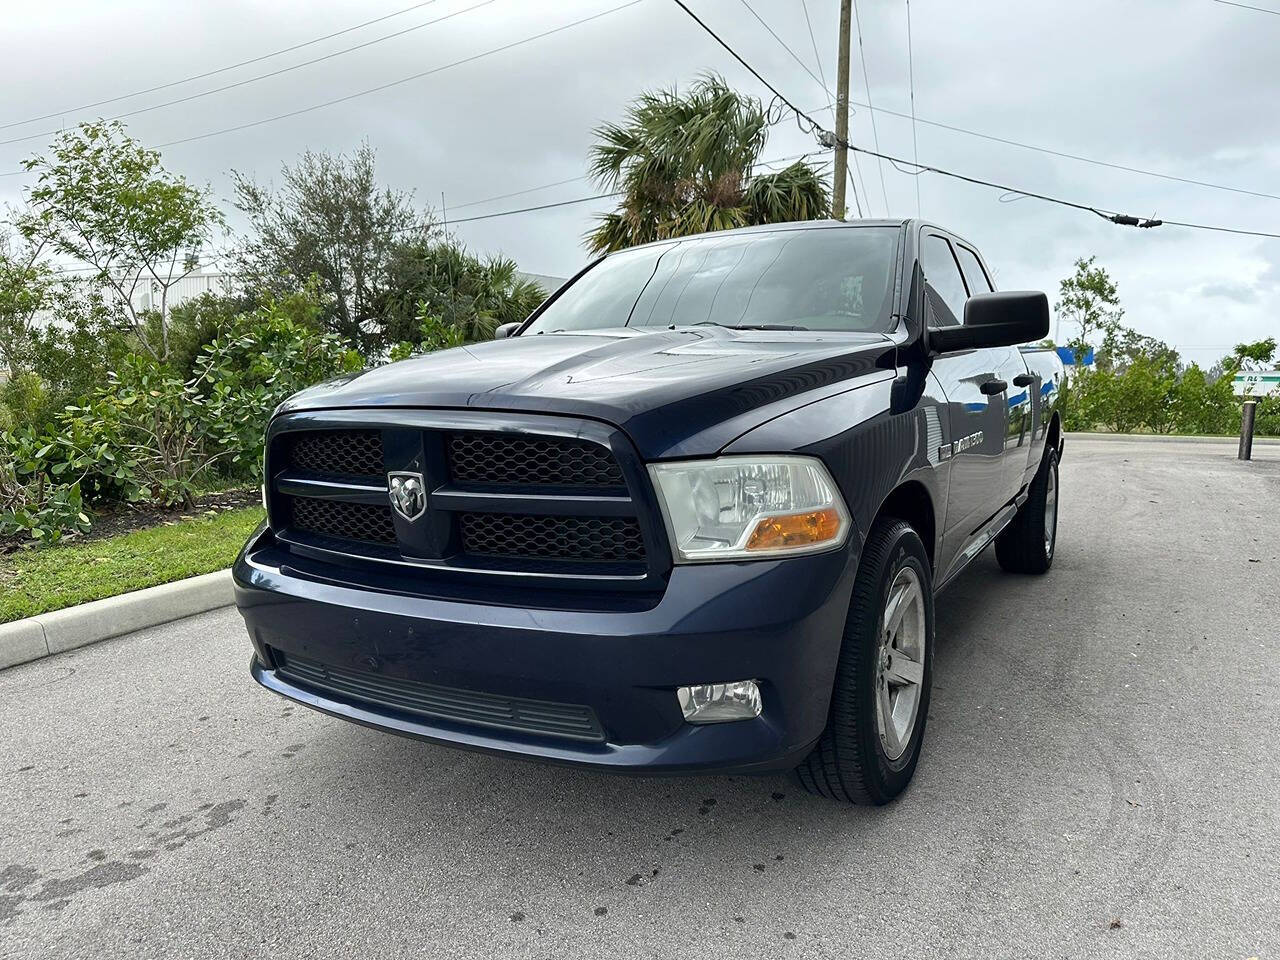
(1262, 384)
(1069, 357)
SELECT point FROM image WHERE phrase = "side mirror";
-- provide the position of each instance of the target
(507, 329)
(1000, 319)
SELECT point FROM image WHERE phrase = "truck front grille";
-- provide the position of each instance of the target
(595, 539)
(336, 453)
(519, 460)
(563, 720)
(365, 522)
(493, 498)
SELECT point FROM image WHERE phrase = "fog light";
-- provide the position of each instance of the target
(720, 702)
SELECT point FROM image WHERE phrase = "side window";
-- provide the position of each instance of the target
(944, 276)
(974, 275)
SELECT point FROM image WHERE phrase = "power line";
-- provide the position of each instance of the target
(560, 183)
(1067, 156)
(1245, 6)
(828, 139)
(820, 80)
(211, 73)
(519, 193)
(219, 254)
(869, 105)
(402, 80)
(783, 44)
(264, 76)
(543, 206)
(871, 111)
(817, 57)
(911, 72)
(749, 68)
(1117, 218)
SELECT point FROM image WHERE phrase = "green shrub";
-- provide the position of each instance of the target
(241, 377)
(193, 325)
(40, 496)
(142, 432)
(435, 333)
(62, 362)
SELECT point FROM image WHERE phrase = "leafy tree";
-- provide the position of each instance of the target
(1144, 393)
(466, 293)
(26, 287)
(1201, 404)
(686, 164)
(105, 200)
(1254, 356)
(61, 362)
(329, 219)
(1089, 298)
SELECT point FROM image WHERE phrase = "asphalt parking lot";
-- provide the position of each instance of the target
(1101, 777)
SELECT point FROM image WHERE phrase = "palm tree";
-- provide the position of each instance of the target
(685, 165)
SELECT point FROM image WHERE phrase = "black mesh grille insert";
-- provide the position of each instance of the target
(518, 460)
(567, 720)
(595, 539)
(340, 453)
(349, 521)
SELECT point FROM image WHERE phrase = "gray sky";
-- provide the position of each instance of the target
(1180, 87)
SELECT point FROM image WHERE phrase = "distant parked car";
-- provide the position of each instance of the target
(690, 516)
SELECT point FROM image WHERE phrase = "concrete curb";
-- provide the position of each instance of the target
(1170, 438)
(48, 633)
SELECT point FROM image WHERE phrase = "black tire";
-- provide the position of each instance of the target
(1027, 544)
(850, 761)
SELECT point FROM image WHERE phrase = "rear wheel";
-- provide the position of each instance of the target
(868, 752)
(1027, 544)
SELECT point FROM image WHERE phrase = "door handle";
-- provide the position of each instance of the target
(992, 387)
(1024, 380)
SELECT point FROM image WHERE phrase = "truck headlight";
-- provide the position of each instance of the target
(744, 508)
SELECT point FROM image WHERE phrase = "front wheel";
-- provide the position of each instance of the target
(868, 751)
(1026, 545)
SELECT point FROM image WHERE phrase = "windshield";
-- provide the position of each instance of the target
(819, 279)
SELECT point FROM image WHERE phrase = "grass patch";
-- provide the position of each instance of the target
(37, 581)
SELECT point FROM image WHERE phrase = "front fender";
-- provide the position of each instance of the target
(869, 450)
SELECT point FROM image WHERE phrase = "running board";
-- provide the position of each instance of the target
(989, 532)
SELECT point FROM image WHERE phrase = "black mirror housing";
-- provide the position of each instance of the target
(1002, 319)
(506, 330)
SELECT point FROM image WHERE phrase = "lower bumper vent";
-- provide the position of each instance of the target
(566, 720)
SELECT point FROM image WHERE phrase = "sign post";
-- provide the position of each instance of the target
(1251, 385)
(1247, 415)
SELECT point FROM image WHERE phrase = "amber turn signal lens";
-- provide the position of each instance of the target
(795, 530)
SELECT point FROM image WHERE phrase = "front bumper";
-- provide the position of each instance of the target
(777, 622)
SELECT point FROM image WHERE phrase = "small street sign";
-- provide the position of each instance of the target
(1260, 384)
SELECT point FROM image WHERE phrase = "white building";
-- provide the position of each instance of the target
(202, 280)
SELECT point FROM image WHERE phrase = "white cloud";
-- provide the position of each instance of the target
(1177, 86)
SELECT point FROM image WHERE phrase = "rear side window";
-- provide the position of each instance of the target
(974, 275)
(943, 274)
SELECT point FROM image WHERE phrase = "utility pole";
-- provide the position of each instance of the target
(840, 175)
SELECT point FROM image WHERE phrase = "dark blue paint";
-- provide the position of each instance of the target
(778, 622)
(871, 407)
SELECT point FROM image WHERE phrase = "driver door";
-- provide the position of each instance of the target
(977, 405)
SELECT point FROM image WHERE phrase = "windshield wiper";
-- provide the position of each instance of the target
(747, 326)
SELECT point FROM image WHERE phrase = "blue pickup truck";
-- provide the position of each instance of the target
(690, 516)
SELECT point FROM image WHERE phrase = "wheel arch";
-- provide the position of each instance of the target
(912, 503)
(1053, 439)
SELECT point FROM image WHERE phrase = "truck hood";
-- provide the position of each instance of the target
(677, 392)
